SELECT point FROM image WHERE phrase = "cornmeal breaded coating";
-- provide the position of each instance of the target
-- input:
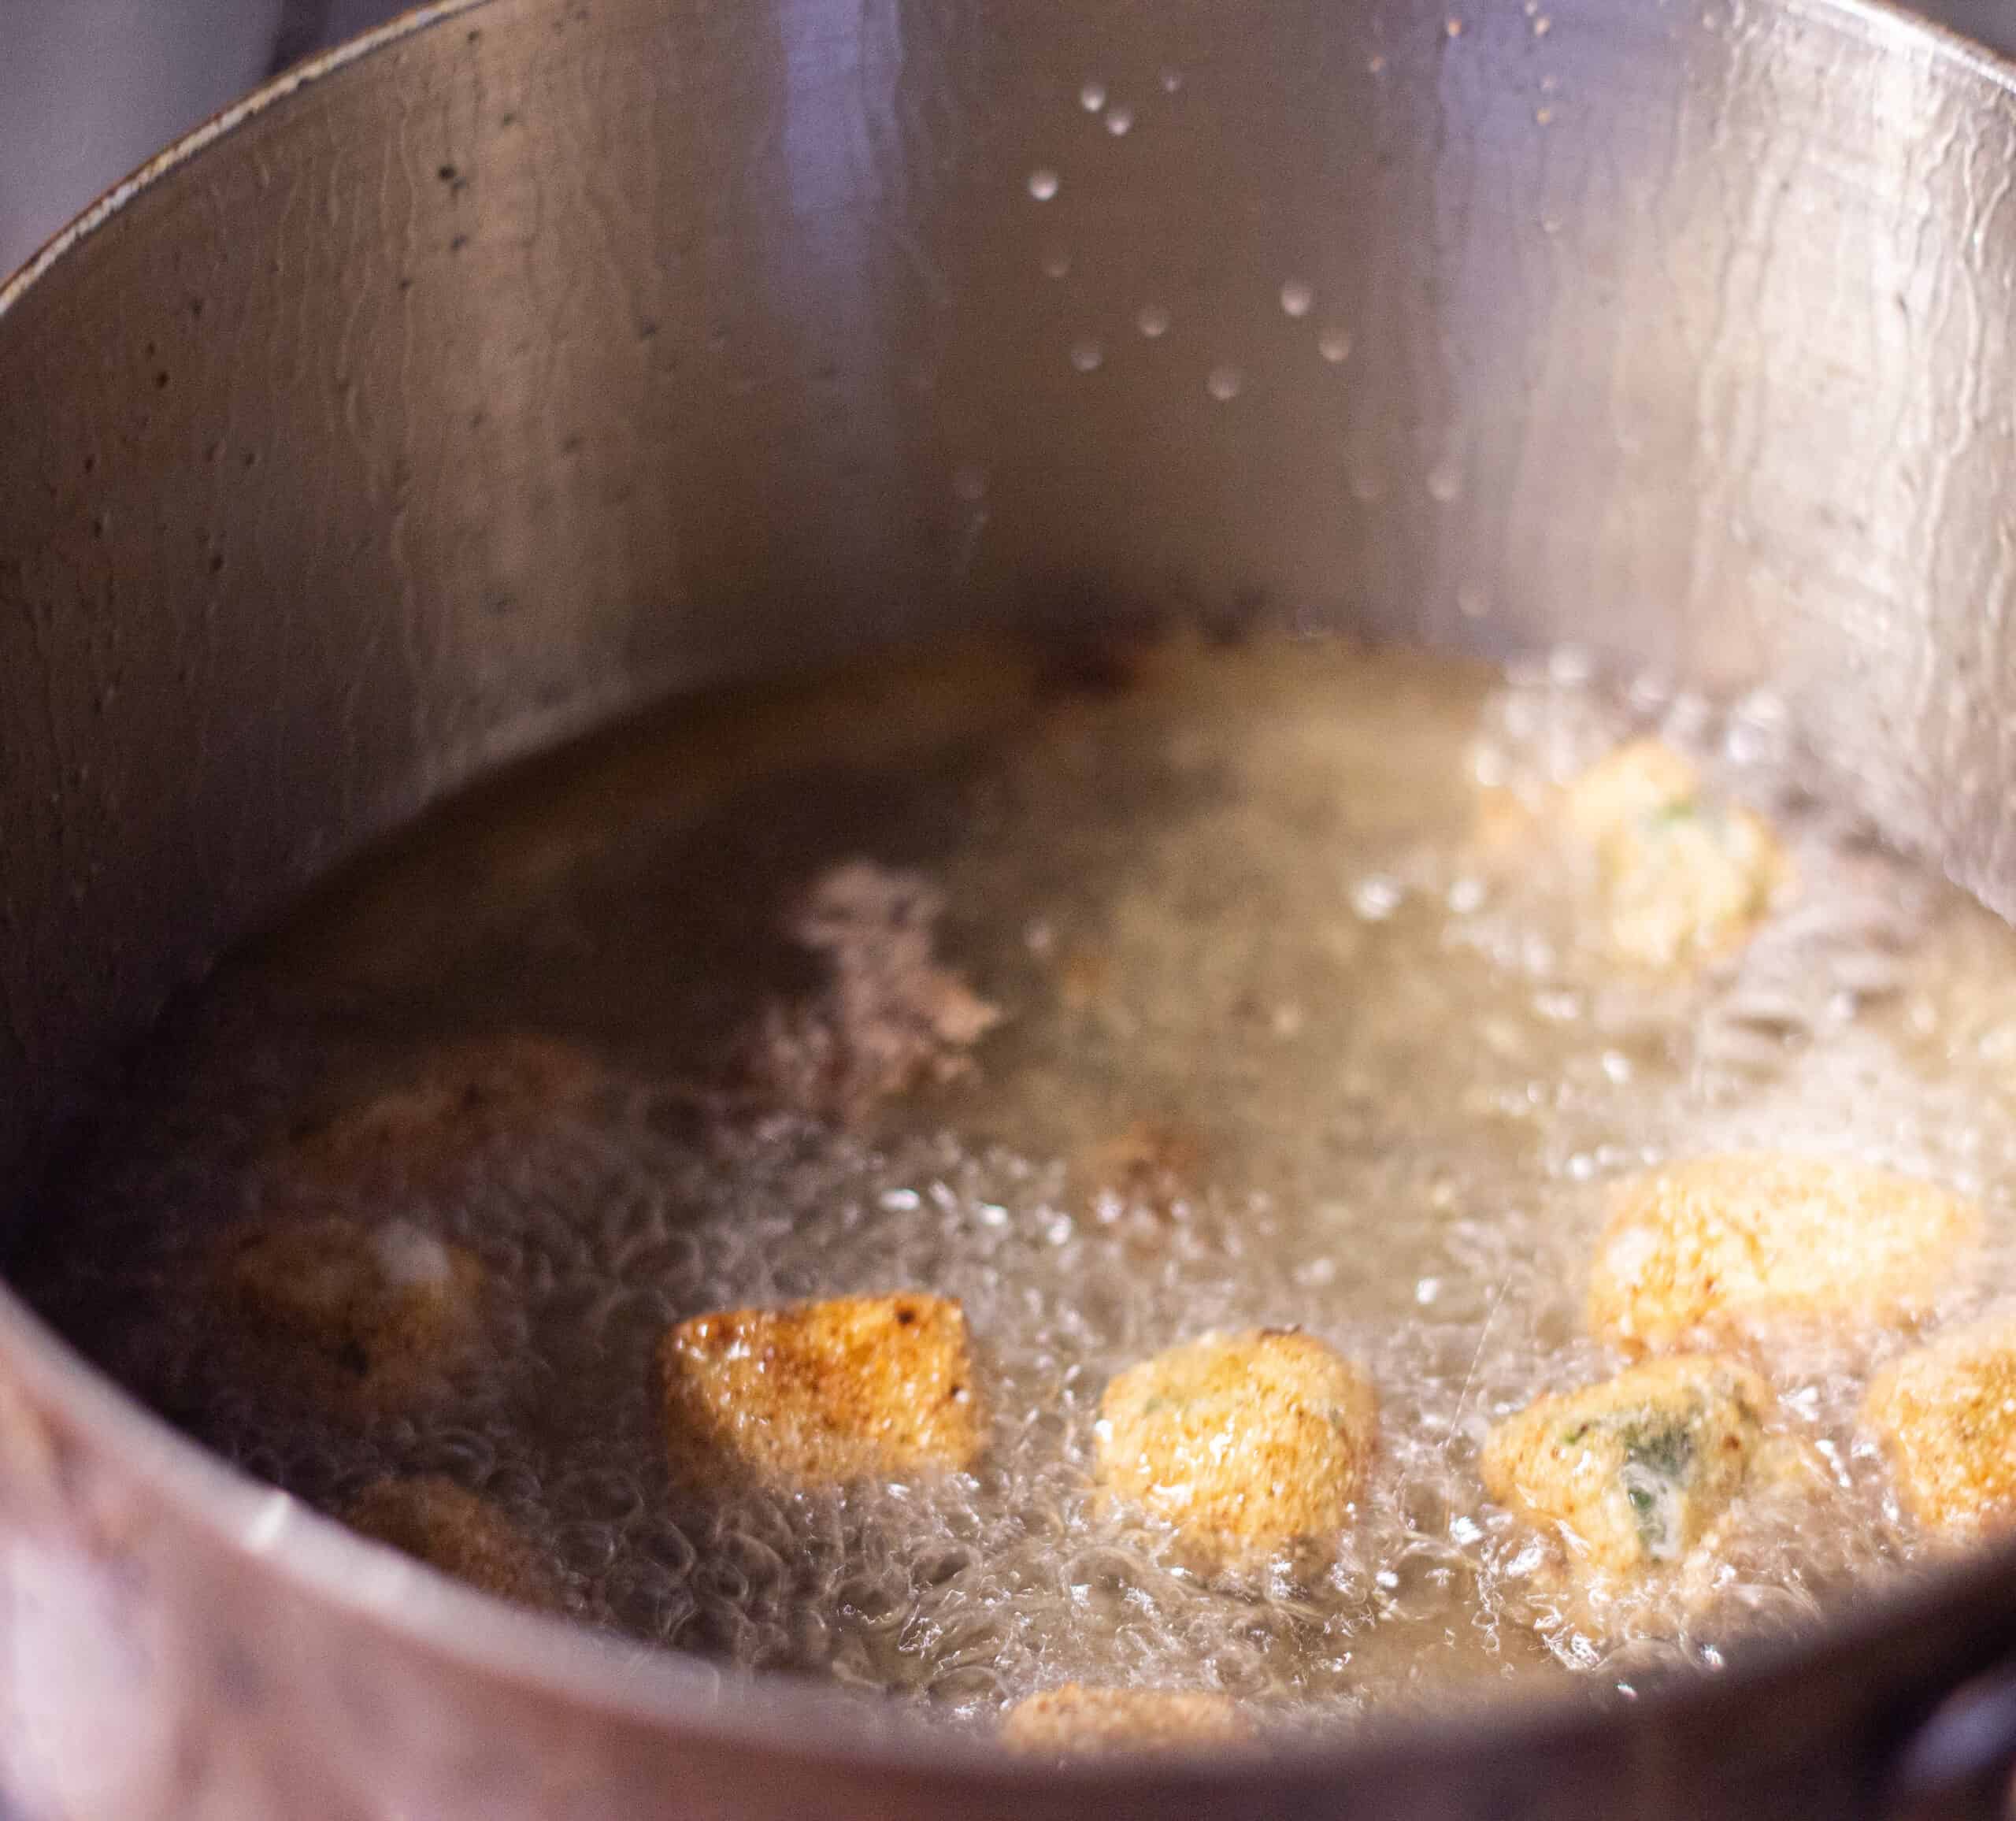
(349, 1316)
(1734, 1246)
(820, 1393)
(1074, 1720)
(1946, 1416)
(1245, 1443)
(457, 1098)
(1634, 1472)
(450, 1528)
(1685, 874)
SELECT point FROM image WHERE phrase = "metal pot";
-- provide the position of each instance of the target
(540, 358)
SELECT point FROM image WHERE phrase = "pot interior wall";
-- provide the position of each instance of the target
(547, 359)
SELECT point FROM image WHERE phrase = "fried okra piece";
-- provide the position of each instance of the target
(1636, 1471)
(349, 1316)
(1683, 874)
(448, 1527)
(1946, 1414)
(821, 1393)
(456, 1100)
(1074, 1720)
(1733, 1246)
(1245, 1443)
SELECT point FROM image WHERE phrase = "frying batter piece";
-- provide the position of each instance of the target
(449, 1527)
(461, 1097)
(1741, 1246)
(352, 1318)
(1685, 875)
(891, 1016)
(1946, 1414)
(821, 1393)
(1077, 1720)
(1246, 1443)
(1637, 1471)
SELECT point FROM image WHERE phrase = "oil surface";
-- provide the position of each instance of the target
(1280, 1043)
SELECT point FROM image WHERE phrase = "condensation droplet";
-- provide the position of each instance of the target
(1543, 116)
(1056, 262)
(1452, 28)
(1445, 481)
(1334, 344)
(1091, 98)
(1296, 297)
(970, 483)
(1542, 26)
(1224, 383)
(1153, 320)
(1118, 119)
(1172, 80)
(1042, 183)
(1471, 601)
(1375, 65)
(1086, 354)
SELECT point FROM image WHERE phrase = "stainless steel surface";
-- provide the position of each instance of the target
(553, 355)
(90, 88)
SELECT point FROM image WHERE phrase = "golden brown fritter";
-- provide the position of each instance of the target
(1077, 1721)
(1636, 1471)
(1946, 1416)
(1731, 1247)
(351, 1318)
(449, 1528)
(1245, 1443)
(820, 1393)
(1685, 875)
(458, 1099)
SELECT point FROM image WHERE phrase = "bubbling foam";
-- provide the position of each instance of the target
(1235, 905)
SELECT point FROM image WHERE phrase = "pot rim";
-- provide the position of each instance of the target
(669, 1691)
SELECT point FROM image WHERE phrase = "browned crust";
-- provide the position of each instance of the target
(449, 1528)
(308, 1311)
(455, 1100)
(821, 1393)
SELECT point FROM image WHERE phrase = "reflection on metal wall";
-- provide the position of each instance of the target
(90, 88)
